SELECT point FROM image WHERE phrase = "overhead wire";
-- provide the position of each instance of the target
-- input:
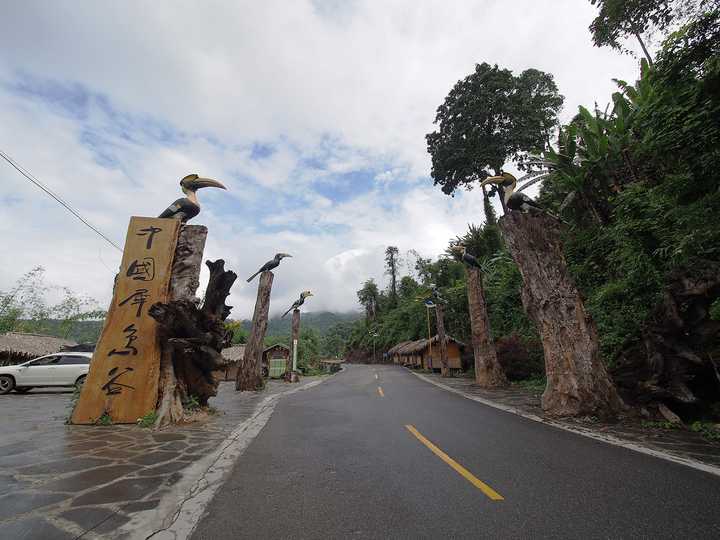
(56, 197)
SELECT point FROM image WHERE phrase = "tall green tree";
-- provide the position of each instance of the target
(391, 269)
(622, 19)
(489, 117)
(369, 298)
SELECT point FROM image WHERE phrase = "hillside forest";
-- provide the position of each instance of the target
(637, 188)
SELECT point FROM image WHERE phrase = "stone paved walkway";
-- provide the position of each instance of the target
(64, 482)
(680, 443)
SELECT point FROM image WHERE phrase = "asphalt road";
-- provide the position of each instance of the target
(338, 461)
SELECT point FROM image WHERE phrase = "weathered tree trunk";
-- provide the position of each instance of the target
(184, 282)
(442, 345)
(249, 374)
(191, 337)
(577, 381)
(290, 374)
(488, 371)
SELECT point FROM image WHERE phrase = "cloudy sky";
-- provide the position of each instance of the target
(312, 112)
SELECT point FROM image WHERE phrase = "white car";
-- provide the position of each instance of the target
(59, 369)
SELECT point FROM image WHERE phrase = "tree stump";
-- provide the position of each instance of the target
(191, 336)
(442, 345)
(290, 374)
(577, 381)
(249, 375)
(488, 371)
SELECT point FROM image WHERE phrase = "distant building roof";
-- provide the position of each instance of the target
(277, 346)
(32, 345)
(234, 353)
(415, 347)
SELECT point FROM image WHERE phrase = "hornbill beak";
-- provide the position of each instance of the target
(283, 255)
(193, 182)
(493, 180)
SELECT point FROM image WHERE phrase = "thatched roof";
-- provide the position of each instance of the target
(396, 348)
(31, 345)
(234, 353)
(406, 348)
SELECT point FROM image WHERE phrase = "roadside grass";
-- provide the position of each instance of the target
(534, 384)
(708, 430)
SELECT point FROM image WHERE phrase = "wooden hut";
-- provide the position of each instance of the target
(232, 356)
(16, 347)
(455, 350)
(394, 352)
(274, 352)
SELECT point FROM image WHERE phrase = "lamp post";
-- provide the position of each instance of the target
(374, 335)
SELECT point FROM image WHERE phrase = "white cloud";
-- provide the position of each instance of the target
(328, 88)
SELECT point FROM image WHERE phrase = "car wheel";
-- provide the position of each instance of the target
(7, 383)
(23, 389)
(79, 383)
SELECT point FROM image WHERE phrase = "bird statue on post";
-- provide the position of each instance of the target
(463, 256)
(274, 263)
(513, 200)
(188, 207)
(299, 302)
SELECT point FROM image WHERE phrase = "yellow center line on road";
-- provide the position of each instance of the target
(380, 391)
(482, 486)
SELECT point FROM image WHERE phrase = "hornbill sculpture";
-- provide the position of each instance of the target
(299, 302)
(274, 263)
(514, 201)
(188, 207)
(465, 257)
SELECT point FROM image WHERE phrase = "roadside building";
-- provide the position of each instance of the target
(17, 347)
(417, 354)
(232, 356)
(274, 360)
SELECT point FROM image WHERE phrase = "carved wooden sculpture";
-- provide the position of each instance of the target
(192, 333)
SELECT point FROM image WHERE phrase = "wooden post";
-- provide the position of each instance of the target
(488, 372)
(577, 381)
(249, 374)
(290, 375)
(440, 316)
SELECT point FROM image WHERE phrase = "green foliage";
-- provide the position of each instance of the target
(620, 19)
(240, 332)
(24, 308)
(535, 384)
(715, 310)
(191, 403)
(488, 118)
(105, 419)
(660, 424)
(706, 429)
(148, 420)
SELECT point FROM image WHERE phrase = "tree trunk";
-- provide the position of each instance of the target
(249, 374)
(290, 375)
(577, 381)
(488, 372)
(442, 345)
(191, 337)
(184, 282)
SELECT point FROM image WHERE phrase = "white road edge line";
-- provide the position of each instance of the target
(202, 479)
(609, 439)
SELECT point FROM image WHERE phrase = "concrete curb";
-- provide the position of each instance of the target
(609, 439)
(178, 513)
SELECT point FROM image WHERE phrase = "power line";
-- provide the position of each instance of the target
(65, 204)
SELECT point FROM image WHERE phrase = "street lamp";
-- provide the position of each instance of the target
(374, 335)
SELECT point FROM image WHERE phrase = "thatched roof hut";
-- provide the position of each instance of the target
(232, 356)
(17, 347)
(417, 353)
